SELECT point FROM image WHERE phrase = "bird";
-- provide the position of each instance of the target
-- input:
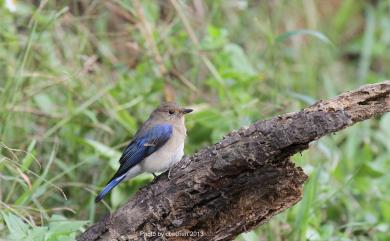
(156, 147)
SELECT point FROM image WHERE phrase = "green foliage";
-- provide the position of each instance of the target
(78, 77)
(58, 228)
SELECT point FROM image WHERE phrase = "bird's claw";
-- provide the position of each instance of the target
(169, 172)
(154, 177)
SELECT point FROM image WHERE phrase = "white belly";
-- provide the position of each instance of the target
(165, 157)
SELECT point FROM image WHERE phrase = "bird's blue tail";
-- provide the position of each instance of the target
(108, 187)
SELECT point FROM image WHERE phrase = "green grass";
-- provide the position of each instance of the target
(77, 79)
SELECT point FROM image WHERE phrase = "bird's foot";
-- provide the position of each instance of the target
(155, 177)
(169, 173)
(170, 169)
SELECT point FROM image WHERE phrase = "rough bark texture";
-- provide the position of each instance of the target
(240, 182)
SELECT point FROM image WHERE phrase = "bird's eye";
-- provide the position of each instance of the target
(171, 112)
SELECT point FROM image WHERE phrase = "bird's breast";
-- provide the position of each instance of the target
(167, 155)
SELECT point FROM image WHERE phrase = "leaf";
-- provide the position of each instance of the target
(17, 228)
(44, 103)
(65, 238)
(37, 183)
(106, 151)
(305, 98)
(368, 169)
(60, 225)
(126, 120)
(25, 178)
(215, 38)
(320, 36)
(27, 160)
(250, 236)
(38, 233)
(385, 123)
(239, 60)
(301, 224)
(118, 197)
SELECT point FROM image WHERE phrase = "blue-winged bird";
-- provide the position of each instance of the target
(156, 147)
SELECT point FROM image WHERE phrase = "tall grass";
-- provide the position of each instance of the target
(78, 77)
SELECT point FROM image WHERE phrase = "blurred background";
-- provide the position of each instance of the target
(78, 77)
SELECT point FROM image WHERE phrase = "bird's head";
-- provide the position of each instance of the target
(170, 112)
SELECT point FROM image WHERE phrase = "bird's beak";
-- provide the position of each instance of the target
(186, 111)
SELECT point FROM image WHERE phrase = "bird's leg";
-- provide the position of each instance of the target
(170, 169)
(155, 177)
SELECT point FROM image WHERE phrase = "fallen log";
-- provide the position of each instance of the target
(240, 182)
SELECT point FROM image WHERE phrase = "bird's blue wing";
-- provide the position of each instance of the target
(142, 146)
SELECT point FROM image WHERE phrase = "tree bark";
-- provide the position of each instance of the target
(240, 182)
